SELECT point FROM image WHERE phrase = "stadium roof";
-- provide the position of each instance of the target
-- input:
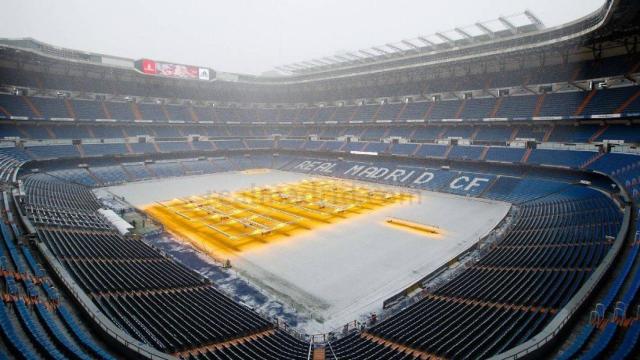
(504, 26)
(502, 39)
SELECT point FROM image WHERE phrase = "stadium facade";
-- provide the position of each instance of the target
(546, 119)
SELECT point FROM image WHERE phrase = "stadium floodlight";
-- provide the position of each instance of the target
(508, 25)
(486, 30)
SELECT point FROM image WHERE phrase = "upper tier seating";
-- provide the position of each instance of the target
(88, 109)
(15, 106)
(572, 71)
(573, 159)
(50, 108)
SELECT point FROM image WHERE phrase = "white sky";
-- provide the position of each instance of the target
(252, 36)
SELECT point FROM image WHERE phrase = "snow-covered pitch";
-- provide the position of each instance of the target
(340, 272)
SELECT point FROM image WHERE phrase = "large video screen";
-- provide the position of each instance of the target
(173, 70)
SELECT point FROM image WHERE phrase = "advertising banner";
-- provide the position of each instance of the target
(152, 67)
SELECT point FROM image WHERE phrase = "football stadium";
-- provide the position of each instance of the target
(471, 194)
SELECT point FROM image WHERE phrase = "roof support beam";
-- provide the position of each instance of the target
(464, 34)
(508, 24)
(426, 41)
(381, 51)
(354, 57)
(303, 65)
(366, 52)
(329, 60)
(284, 68)
(445, 38)
(296, 66)
(486, 30)
(342, 58)
(391, 46)
(534, 19)
(320, 62)
(411, 45)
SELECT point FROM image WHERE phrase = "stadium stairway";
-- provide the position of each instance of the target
(129, 148)
(548, 133)
(167, 117)
(448, 151)
(514, 134)
(319, 353)
(483, 155)
(592, 160)
(94, 176)
(399, 347)
(136, 111)
(402, 109)
(105, 110)
(70, 110)
(598, 133)
(5, 112)
(539, 104)
(32, 106)
(225, 344)
(585, 103)
(193, 115)
(526, 156)
(496, 107)
(628, 102)
(80, 150)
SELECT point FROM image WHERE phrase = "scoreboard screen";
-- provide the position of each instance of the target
(153, 67)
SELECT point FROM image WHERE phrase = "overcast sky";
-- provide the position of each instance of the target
(252, 36)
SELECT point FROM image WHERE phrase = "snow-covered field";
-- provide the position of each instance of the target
(337, 273)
